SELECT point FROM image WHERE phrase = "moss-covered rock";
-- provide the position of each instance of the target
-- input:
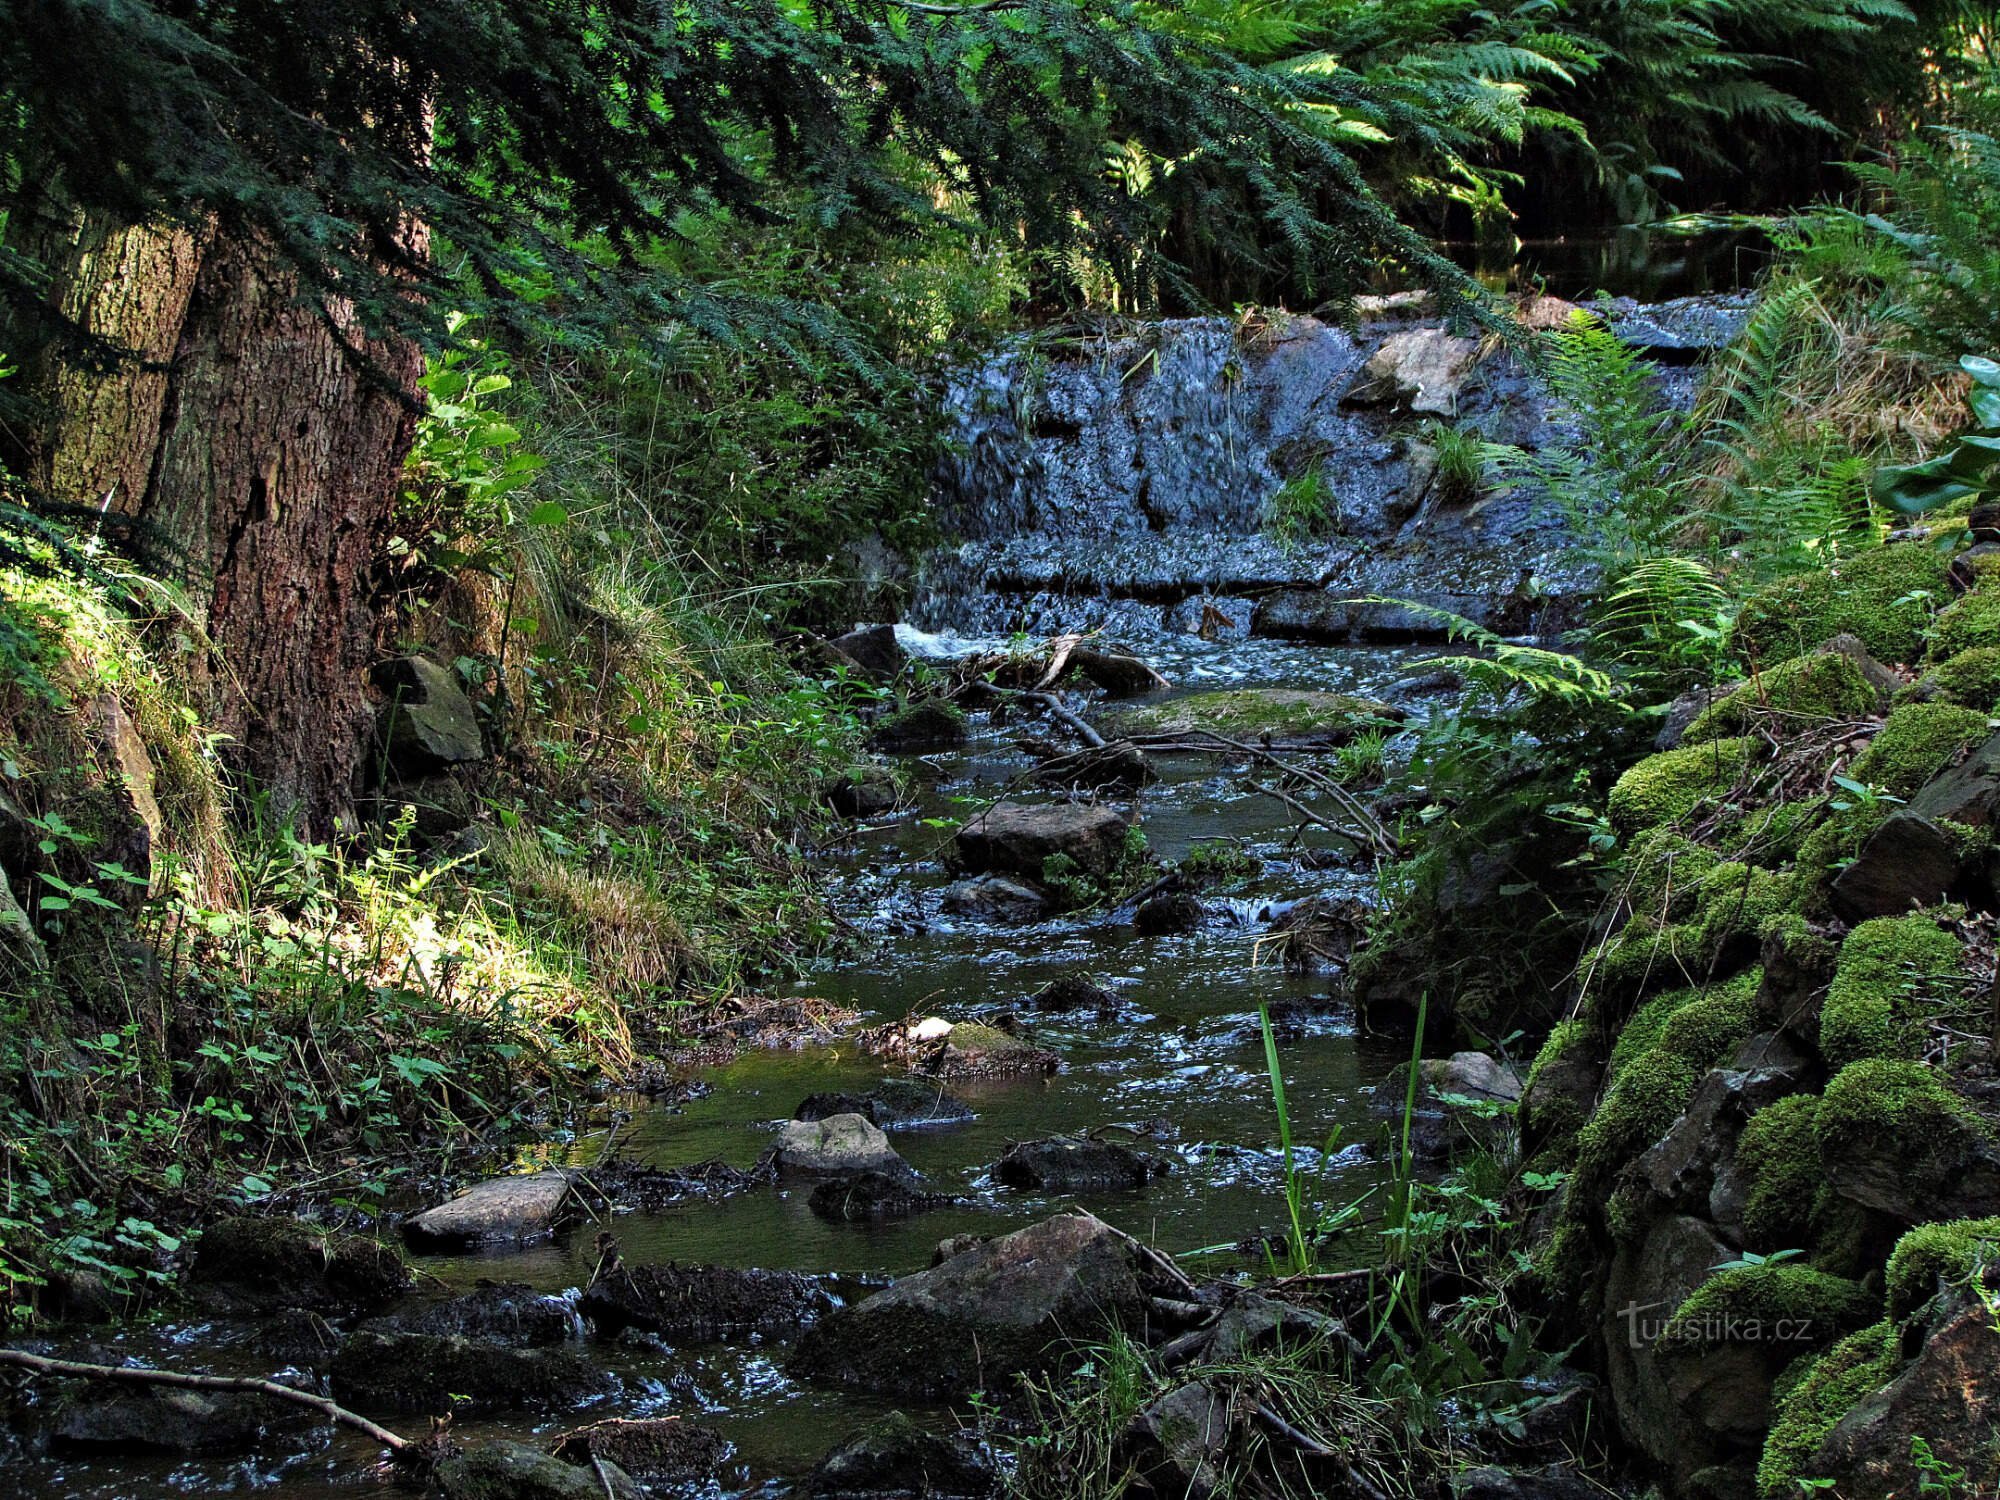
(290, 1263)
(1894, 1138)
(1252, 713)
(1916, 742)
(1970, 679)
(1776, 1302)
(1562, 1084)
(1969, 624)
(1818, 688)
(928, 724)
(1933, 1256)
(1880, 596)
(1815, 1402)
(1891, 975)
(1680, 1037)
(1663, 789)
(1778, 1159)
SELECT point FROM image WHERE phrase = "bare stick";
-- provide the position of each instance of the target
(132, 1375)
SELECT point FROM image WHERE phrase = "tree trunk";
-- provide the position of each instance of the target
(130, 287)
(278, 468)
(263, 462)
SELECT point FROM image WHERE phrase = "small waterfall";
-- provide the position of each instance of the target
(1123, 481)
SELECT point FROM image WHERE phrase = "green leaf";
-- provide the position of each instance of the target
(549, 513)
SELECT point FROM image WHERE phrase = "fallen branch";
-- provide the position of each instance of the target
(1312, 1447)
(1060, 714)
(134, 1375)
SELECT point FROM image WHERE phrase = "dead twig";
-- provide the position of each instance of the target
(138, 1375)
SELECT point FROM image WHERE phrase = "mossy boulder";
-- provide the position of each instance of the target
(1665, 788)
(285, 1263)
(1892, 975)
(928, 724)
(1881, 596)
(1562, 1086)
(514, 1471)
(1935, 1257)
(1681, 1037)
(1815, 1401)
(1969, 679)
(1819, 688)
(1777, 1159)
(1969, 624)
(1252, 714)
(1894, 1138)
(1725, 1346)
(1916, 742)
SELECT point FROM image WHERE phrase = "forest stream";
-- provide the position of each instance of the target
(1092, 502)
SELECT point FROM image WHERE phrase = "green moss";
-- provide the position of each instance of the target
(1972, 622)
(1881, 596)
(1820, 688)
(1935, 1254)
(1892, 974)
(1663, 869)
(1735, 901)
(1918, 741)
(1556, 1117)
(1970, 679)
(1828, 849)
(1891, 1108)
(1778, 1157)
(1663, 789)
(928, 724)
(1762, 1302)
(1240, 713)
(1772, 835)
(1846, 1374)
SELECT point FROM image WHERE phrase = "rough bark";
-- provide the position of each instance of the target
(128, 286)
(277, 470)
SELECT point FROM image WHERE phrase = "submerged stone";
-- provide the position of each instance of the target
(707, 1304)
(1076, 1164)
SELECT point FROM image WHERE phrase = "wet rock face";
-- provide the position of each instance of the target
(1167, 914)
(272, 1264)
(667, 1450)
(106, 1419)
(433, 1374)
(873, 1196)
(1013, 1304)
(503, 1313)
(1017, 838)
(1643, 1289)
(504, 1210)
(707, 1304)
(997, 899)
(866, 791)
(1076, 1164)
(895, 1459)
(513, 1471)
(836, 1146)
